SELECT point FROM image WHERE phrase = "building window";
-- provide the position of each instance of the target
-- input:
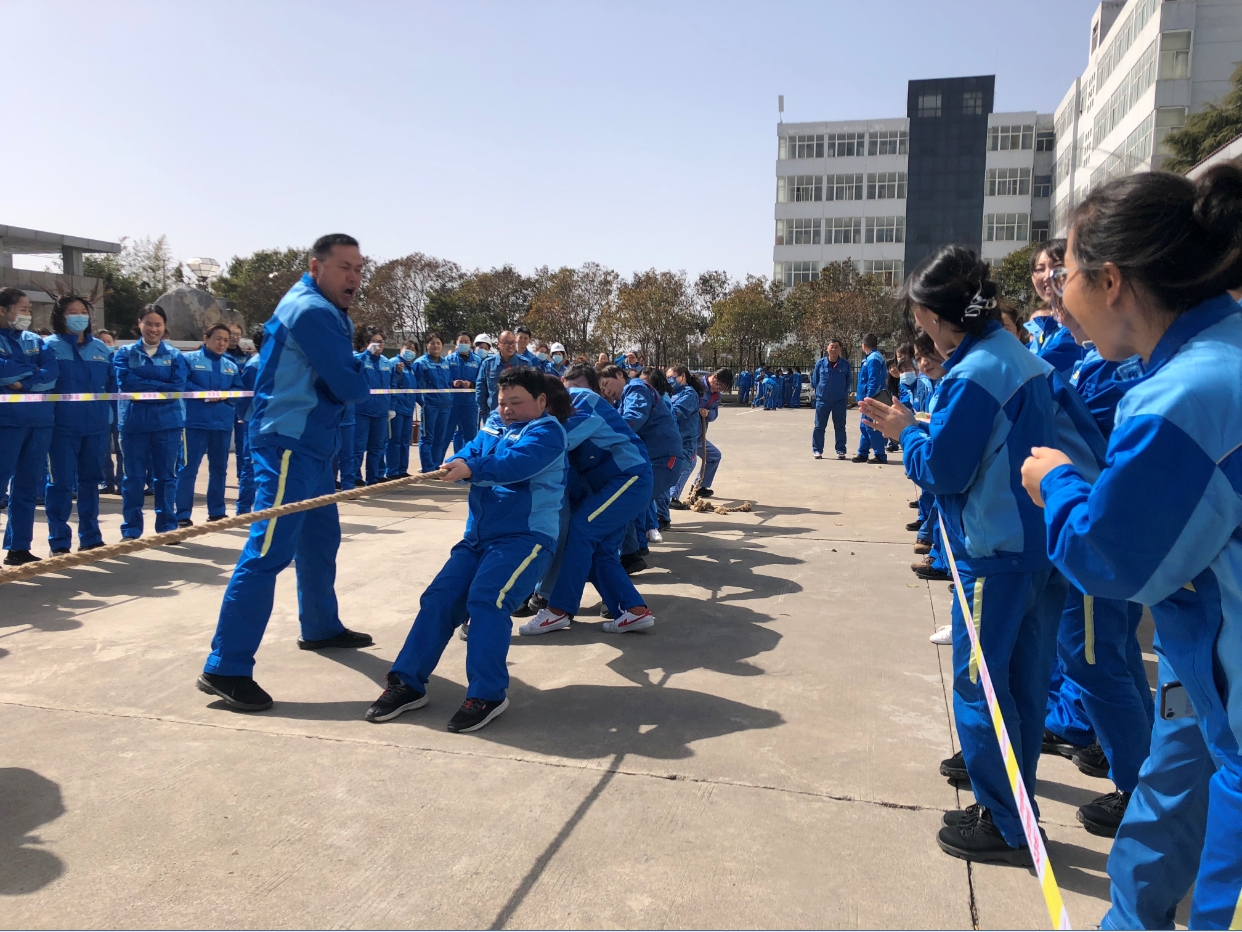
(1129, 89)
(801, 147)
(890, 185)
(842, 145)
(1042, 186)
(1039, 231)
(800, 188)
(1046, 141)
(1174, 55)
(1004, 138)
(791, 273)
(1006, 182)
(929, 105)
(799, 232)
(844, 187)
(1123, 37)
(888, 142)
(1167, 118)
(843, 230)
(889, 271)
(972, 103)
(886, 230)
(1006, 227)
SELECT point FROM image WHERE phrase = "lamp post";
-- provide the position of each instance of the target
(204, 270)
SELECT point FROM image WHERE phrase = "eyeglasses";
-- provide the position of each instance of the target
(1058, 278)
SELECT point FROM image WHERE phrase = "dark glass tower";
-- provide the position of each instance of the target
(948, 152)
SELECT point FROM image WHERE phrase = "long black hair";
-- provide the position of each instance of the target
(691, 379)
(656, 378)
(58, 314)
(952, 283)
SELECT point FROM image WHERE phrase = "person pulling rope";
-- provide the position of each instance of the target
(702, 505)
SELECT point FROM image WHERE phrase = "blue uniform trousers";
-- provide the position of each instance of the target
(370, 438)
(113, 474)
(245, 468)
(822, 411)
(594, 543)
(311, 537)
(743, 397)
(195, 441)
(927, 508)
(663, 474)
(1066, 716)
(484, 582)
(345, 466)
(151, 453)
(23, 459)
(872, 440)
(1016, 615)
(76, 466)
(400, 433)
(433, 438)
(464, 425)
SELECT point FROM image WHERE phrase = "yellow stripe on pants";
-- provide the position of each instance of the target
(1088, 622)
(977, 619)
(1236, 923)
(280, 500)
(621, 491)
(500, 599)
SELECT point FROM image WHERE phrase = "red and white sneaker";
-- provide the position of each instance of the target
(630, 621)
(546, 620)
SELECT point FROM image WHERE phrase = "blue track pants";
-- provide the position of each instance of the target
(464, 425)
(344, 466)
(872, 440)
(151, 453)
(400, 433)
(822, 412)
(194, 443)
(663, 475)
(433, 438)
(76, 467)
(23, 459)
(370, 439)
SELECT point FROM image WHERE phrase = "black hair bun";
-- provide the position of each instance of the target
(1218, 201)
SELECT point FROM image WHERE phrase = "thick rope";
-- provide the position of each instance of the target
(702, 505)
(108, 551)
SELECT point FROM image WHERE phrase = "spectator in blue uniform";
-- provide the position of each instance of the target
(80, 437)
(244, 409)
(307, 374)
(797, 387)
(464, 415)
(208, 424)
(434, 374)
(559, 359)
(830, 388)
(872, 379)
(487, 389)
(401, 424)
(525, 348)
(744, 384)
(688, 395)
(113, 468)
(1151, 258)
(371, 414)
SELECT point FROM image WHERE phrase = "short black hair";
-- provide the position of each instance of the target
(522, 328)
(153, 309)
(218, 326)
(871, 340)
(525, 377)
(468, 337)
(10, 296)
(584, 372)
(724, 377)
(323, 246)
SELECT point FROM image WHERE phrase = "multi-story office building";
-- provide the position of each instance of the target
(884, 193)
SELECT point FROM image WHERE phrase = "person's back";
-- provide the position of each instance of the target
(650, 418)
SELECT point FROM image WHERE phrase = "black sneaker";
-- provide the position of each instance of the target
(914, 525)
(475, 713)
(706, 493)
(211, 518)
(604, 613)
(914, 504)
(955, 769)
(185, 522)
(1055, 744)
(240, 692)
(91, 546)
(20, 558)
(530, 607)
(633, 563)
(930, 572)
(664, 525)
(976, 838)
(958, 816)
(678, 505)
(60, 551)
(1091, 761)
(860, 458)
(395, 699)
(1103, 815)
(346, 638)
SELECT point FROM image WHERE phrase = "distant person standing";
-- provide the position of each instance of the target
(872, 379)
(371, 414)
(486, 392)
(830, 388)
(464, 415)
(209, 424)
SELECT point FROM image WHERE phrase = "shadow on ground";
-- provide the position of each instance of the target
(27, 800)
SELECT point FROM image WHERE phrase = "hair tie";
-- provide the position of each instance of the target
(978, 304)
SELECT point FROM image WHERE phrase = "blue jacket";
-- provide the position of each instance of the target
(766, 386)
(1161, 524)
(464, 369)
(1102, 384)
(250, 371)
(831, 381)
(1040, 329)
(24, 358)
(872, 375)
(307, 374)
(529, 358)
(1061, 351)
(377, 371)
(430, 373)
(517, 482)
(166, 371)
(211, 373)
(685, 403)
(406, 378)
(84, 368)
(601, 444)
(924, 389)
(743, 380)
(651, 419)
(995, 402)
(485, 388)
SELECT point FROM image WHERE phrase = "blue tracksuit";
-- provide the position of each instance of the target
(245, 467)
(437, 408)
(464, 415)
(651, 419)
(371, 419)
(830, 385)
(765, 393)
(307, 374)
(1040, 329)
(208, 429)
(517, 485)
(744, 383)
(872, 379)
(1061, 351)
(486, 392)
(685, 404)
(1160, 526)
(711, 402)
(995, 402)
(401, 424)
(79, 440)
(344, 466)
(797, 390)
(25, 429)
(150, 432)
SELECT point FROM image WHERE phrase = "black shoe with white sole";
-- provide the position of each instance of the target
(955, 768)
(1102, 816)
(395, 699)
(1092, 761)
(20, 558)
(240, 692)
(976, 838)
(185, 522)
(475, 713)
(346, 638)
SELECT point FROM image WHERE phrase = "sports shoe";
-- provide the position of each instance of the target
(922, 547)
(818, 456)
(604, 613)
(475, 713)
(1055, 744)
(914, 504)
(91, 546)
(632, 563)
(395, 699)
(185, 522)
(239, 692)
(1092, 761)
(20, 558)
(531, 606)
(1102, 816)
(544, 621)
(346, 638)
(664, 524)
(927, 571)
(463, 633)
(654, 536)
(859, 458)
(211, 518)
(60, 551)
(955, 768)
(914, 525)
(630, 621)
(943, 636)
(840, 456)
(957, 816)
(976, 838)
(706, 493)
(678, 505)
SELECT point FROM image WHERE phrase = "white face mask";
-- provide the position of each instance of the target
(908, 378)
(22, 322)
(375, 349)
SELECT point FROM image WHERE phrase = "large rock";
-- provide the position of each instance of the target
(191, 311)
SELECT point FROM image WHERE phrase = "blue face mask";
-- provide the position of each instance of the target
(542, 357)
(463, 349)
(408, 355)
(77, 323)
(908, 378)
(558, 358)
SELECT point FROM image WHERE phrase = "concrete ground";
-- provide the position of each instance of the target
(766, 756)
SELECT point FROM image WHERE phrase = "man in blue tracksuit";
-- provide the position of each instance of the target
(371, 414)
(464, 370)
(718, 383)
(787, 387)
(486, 389)
(830, 383)
(401, 424)
(872, 379)
(796, 398)
(744, 383)
(776, 390)
(517, 485)
(245, 465)
(208, 424)
(307, 374)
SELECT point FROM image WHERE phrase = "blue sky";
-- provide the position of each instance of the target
(632, 134)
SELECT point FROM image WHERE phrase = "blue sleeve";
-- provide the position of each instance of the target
(328, 351)
(538, 448)
(480, 388)
(816, 376)
(685, 406)
(14, 370)
(48, 370)
(129, 380)
(636, 409)
(943, 459)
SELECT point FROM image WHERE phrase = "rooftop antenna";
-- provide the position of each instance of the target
(780, 106)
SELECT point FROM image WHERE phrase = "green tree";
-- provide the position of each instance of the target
(656, 311)
(254, 284)
(842, 304)
(142, 271)
(746, 319)
(567, 305)
(483, 302)
(396, 294)
(1013, 277)
(1206, 131)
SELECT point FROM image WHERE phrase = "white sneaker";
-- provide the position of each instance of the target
(546, 620)
(630, 622)
(818, 456)
(943, 635)
(654, 536)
